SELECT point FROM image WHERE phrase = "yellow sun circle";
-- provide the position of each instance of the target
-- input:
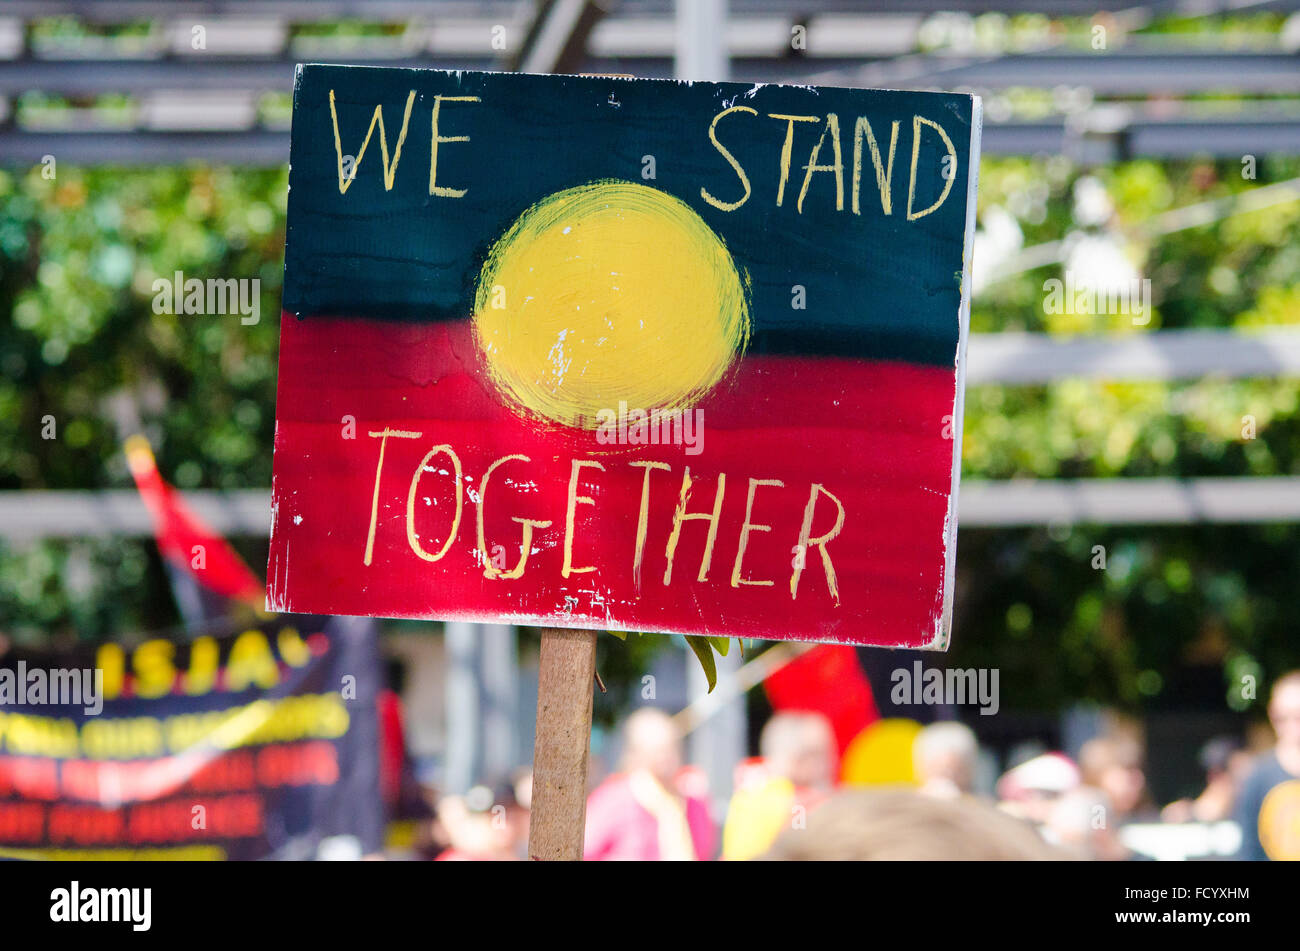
(608, 293)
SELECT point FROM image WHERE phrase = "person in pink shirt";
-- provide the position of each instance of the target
(640, 813)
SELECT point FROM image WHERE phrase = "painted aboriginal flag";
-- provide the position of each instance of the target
(623, 354)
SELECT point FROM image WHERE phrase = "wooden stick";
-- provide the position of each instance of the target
(562, 745)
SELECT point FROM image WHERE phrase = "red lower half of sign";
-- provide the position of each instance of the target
(806, 497)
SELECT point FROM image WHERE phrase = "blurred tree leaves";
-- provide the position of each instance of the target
(1033, 602)
(78, 257)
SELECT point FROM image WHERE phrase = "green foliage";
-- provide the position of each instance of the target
(702, 648)
(1169, 599)
(80, 255)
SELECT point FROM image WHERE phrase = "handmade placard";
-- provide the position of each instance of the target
(623, 354)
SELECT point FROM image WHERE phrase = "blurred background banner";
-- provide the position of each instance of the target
(252, 745)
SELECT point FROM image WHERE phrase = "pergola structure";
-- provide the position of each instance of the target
(196, 79)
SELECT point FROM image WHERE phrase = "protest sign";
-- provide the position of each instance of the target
(623, 354)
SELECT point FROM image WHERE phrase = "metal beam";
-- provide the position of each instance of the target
(1026, 358)
(115, 513)
(1136, 68)
(120, 11)
(700, 52)
(262, 147)
(254, 148)
(1126, 72)
(1250, 130)
(307, 11)
(1023, 502)
(94, 77)
(76, 513)
(556, 41)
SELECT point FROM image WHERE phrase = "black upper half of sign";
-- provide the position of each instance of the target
(874, 286)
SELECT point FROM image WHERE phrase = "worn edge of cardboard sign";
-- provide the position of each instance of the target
(943, 628)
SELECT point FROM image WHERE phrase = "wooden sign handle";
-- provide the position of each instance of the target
(562, 746)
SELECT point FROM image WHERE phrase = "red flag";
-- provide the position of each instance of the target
(188, 543)
(826, 680)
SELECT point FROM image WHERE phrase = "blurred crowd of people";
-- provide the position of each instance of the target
(789, 803)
